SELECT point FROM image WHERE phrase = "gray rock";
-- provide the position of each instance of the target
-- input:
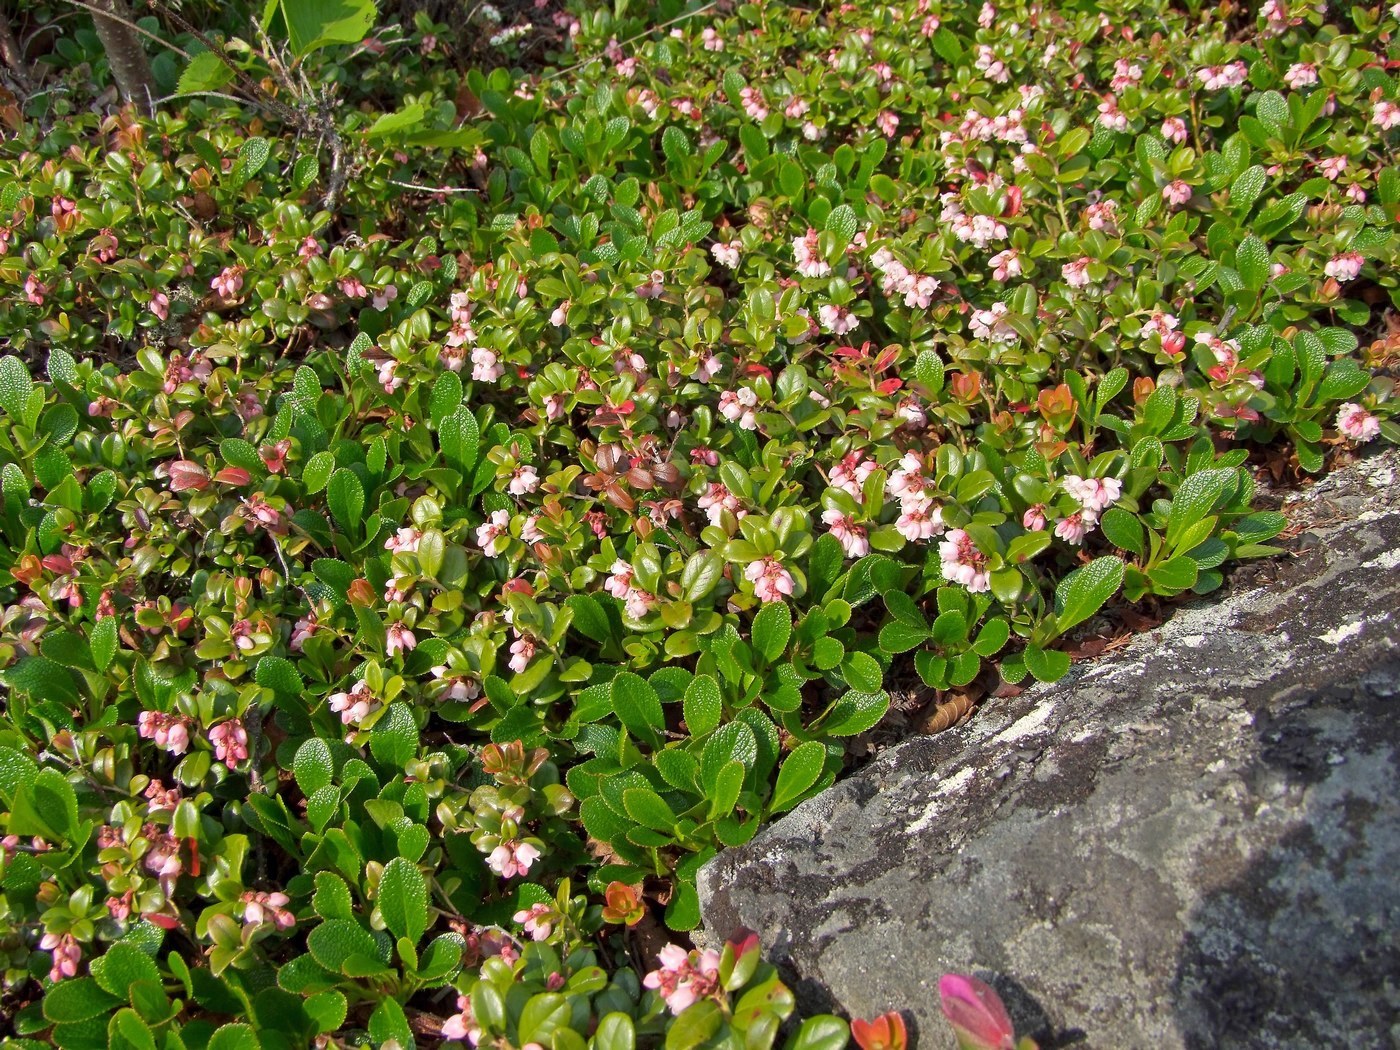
(1192, 844)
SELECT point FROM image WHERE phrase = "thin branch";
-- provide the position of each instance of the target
(432, 189)
(98, 12)
(215, 94)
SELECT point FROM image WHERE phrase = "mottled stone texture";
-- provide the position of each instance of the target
(1191, 844)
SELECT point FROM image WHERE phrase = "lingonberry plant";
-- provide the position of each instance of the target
(428, 542)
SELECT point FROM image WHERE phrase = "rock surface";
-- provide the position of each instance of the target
(1195, 843)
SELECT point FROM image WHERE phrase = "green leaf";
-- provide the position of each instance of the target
(648, 809)
(77, 999)
(676, 146)
(589, 619)
(327, 1010)
(772, 627)
(252, 156)
(615, 1032)
(46, 807)
(337, 940)
(332, 897)
(694, 1026)
(205, 72)
(278, 674)
(121, 966)
(394, 739)
(1245, 190)
(16, 385)
(897, 637)
(409, 118)
(1047, 665)
(1196, 497)
(855, 712)
(445, 398)
(1083, 592)
(862, 671)
(388, 1023)
(544, 1015)
(236, 1036)
(1124, 530)
(799, 771)
(305, 173)
(928, 370)
(313, 24)
(346, 498)
(843, 222)
(822, 1032)
(639, 708)
(43, 679)
(1174, 575)
(403, 899)
(1252, 263)
(317, 472)
(731, 742)
(313, 766)
(702, 706)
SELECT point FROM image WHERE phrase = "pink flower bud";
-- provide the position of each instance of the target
(976, 1013)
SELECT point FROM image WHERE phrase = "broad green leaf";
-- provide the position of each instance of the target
(403, 899)
(313, 24)
(639, 708)
(1083, 592)
(799, 771)
(772, 627)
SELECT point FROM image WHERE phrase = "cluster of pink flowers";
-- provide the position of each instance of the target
(486, 365)
(399, 639)
(963, 563)
(898, 280)
(229, 282)
(259, 908)
(522, 651)
(1094, 496)
(1357, 424)
(771, 582)
(462, 1025)
(991, 324)
(538, 920)
(230, 742)
(726, 253)
(1164, 326)
(1076, 273)
(67, 954)
(493, 535)
(920, 518)
(807, 251)
(852, 536)
(354, 706)
(163, 858)
(622, 586)
(1221, 78)
(753, 103)
(836, 319)
(977, 230)
(716, 499)
(170, 732)
(738, 406)
(512, 858)
(684, 978)
(1345, 267)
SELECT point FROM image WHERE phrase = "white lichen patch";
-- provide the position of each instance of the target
(1026, 726)
(1342, 633)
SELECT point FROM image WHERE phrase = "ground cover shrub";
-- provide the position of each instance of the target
(409, 588)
